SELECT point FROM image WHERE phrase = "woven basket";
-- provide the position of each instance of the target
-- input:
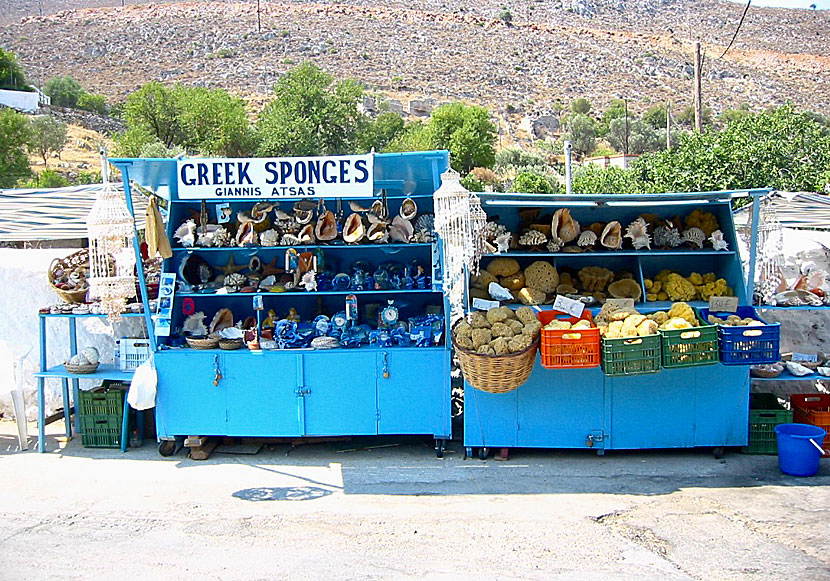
(495, 373)
(231, 344)
(79, 259)
(203, 342)
(81, 369)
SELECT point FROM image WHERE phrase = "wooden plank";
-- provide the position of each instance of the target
(204, 451)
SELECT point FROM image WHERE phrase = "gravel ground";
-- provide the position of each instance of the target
(344, 510)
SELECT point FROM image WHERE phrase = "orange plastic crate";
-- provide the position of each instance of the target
(813, 409)
(568, 349)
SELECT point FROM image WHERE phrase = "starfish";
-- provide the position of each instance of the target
(272, 268)
(230, 267)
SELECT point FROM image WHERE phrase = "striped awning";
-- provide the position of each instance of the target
(57, 214)
(794, 210)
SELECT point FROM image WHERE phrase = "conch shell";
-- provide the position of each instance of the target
(303, 216)
(612, 236)
(637, 231)
(563, 226)
(223, 319)
(626, 288)
(307, 234)
(378, 233)
(353, 230)
(246, 234)
(401, 230)
(326, 228)
(409, 209)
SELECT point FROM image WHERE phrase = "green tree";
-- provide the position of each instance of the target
(593, 179)
(47, 135)
(532, 183)
(581, 106)
(655, 116)
(641, 137)
(506, 16)
(14, 135)
(780, 148)
(93, 102)
(472, 183)
(467, 132)
(382, 131)
(415, 136)
(686, 116)
(581, 132)
(615, 110)
(64, 91)
(154, 110)
(132, 142)
(11, 73)
(311, 115)
(213, 122)
(48, 178)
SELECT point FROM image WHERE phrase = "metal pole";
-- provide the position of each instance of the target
(258, 18)
(568, 168)
(668, 124)
(625, 141)
(753, 245)
(698, 91)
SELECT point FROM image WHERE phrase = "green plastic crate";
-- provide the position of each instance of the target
(762, 424)
(690, 347)
(101, 413)
(632, 356)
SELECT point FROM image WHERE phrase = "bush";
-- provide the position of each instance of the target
(11, 73)
(505, 16)
(471, 183)
(581, 105)
(532, 183)
(64, 91)
(593, 179)
(14, 136)
(48, 178)
(94, 103)
(581, 133)
(46, 135)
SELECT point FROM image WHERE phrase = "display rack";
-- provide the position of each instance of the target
(584, 408)
(368, 390)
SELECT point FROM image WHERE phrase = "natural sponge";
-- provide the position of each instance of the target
(520, 343)
(478, 320)
(500, 346)
(533, 328)
(515, 326)
(481, 337)
(513, 282)
(542, 276)
(525, 315)
(503, 266)
(531, 296)
(483, 280)
(502, 330)
(498, 314)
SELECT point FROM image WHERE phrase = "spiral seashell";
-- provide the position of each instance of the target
(718, 241)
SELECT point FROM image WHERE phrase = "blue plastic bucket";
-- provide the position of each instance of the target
(799, 448)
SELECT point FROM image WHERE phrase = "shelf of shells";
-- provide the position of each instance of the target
(593, 253)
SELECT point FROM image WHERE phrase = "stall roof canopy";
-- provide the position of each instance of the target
(794, 210)
(57, 214)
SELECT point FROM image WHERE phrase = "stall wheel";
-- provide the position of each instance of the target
(483, 453)
(439, 448)
(718, 452)
(167, 447)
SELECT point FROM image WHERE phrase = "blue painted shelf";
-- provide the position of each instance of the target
(87, 315)
(104, 371)
(293, 293)
(583, 256)
(350, 247)
(787, 376)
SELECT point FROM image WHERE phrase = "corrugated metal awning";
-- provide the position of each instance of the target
(794, 210)
(57, 214)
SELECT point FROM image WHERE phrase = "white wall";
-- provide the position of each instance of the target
(24, 289)
(21, 100)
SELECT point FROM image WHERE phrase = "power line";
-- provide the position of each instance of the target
(734, 36)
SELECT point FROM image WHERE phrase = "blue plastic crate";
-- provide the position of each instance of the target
(747, 345)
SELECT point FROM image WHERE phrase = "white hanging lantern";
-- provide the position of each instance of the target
(112, 262)
(459, 221)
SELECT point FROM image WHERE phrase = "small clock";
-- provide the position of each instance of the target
(389, 315)
(339, 321)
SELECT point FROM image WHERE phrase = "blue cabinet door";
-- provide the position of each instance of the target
(342, 395)
(262, 398)
(490, 419)
(415, 397)
(560, 408)
(187, 402)
(721, 403)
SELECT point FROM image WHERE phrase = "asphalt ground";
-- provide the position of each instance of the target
(387, 508)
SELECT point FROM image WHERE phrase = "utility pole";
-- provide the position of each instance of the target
(258, 18)
(568, 182)
(698, 91)
(668, 124)
(625, 141)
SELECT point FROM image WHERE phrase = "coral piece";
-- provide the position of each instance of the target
(705, 221)
(235, 281)
(289, 240)
(222, 237)
(503, 266)
(353, 230)
(269, 238)
(532, 238)
(595, 278)
(667, 237)
(563, 226)
(625, 289)
(694, 237)
(587, 239)
(637, 232)
(611, 236)
(542, 276)
(531, 296)
(554, 245)
(718, 241)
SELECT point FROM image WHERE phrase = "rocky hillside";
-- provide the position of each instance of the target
(553, 51)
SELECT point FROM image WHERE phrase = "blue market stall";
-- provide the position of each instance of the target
(292, 253)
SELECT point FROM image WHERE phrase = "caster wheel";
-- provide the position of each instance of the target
(439, 448)
(167, 447)
(483, 453)
(718, 452)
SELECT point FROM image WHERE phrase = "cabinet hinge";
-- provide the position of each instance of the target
(302, 391)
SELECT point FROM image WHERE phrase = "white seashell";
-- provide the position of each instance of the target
(401, 230)
(78, 359)
(269, 238)
(186, 233)
(409, 209)
(825, 371)
(637, 231)
(91, 354)
(718, 243)
(587, 238)
(503, 242)
(195, 324)
(355, 207)
(797, 369)
(612, 236)
(563, 226)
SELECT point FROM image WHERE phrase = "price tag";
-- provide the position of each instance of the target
(805, 357)
(723, 304)
(484, 304)
(570, 306)
(621, 303)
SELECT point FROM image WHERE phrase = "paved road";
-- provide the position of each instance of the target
(340, 511)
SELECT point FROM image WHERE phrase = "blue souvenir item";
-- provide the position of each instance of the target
(350, 338)
(359, 280)
(351, 307)
(388, 316)
(381, 280)
(370, 282)
(339, 321)
(400, 336)
(324, 281)
(341, 282)
(321, 325)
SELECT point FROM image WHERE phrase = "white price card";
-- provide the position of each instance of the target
(723, 304)
(805, 357)
(621, 303)
(570, 306)
(484, 305)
